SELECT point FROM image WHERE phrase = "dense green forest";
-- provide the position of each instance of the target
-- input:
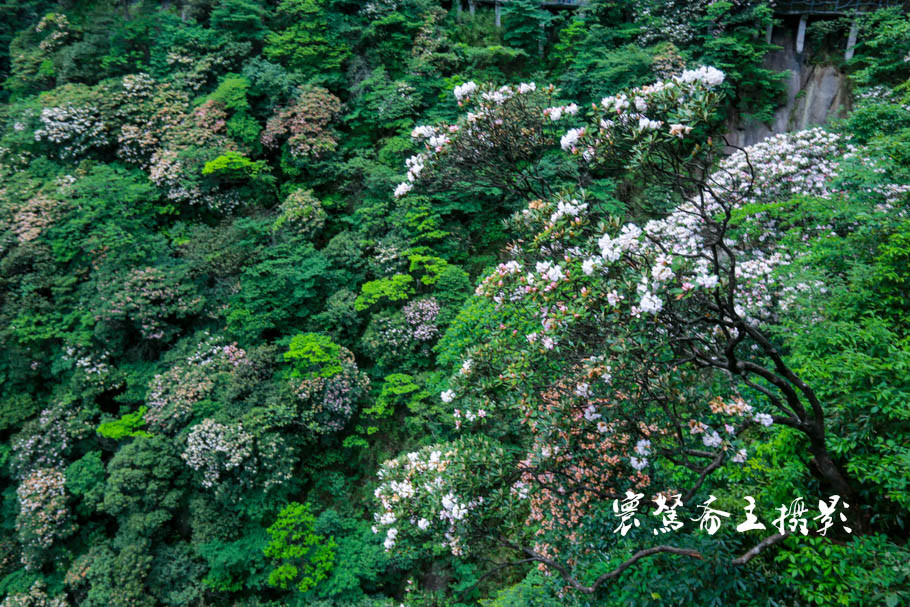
(379, 303)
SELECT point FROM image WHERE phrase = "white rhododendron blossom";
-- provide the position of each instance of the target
(570, 139)
(214, 449)
(415, 492)
(638, 463)
(423, 132)
(680, 130)
(403, 188)
(708, 75)
(465, 90)
(43, 513)
(764, 419)
(73, 130)
(712, 439)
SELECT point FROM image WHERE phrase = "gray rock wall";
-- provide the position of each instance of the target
(815, 93)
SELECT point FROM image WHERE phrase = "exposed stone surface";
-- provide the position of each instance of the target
(815, 93)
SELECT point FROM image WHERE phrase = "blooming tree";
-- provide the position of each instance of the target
(172, 394)
(499, 143)
(43, 513)
(326, 382)
(36, 596)
(639, 348)
(214, 449)
(305, 124)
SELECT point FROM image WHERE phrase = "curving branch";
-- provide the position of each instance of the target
(759, 548)
(605, 577)
(572, 581)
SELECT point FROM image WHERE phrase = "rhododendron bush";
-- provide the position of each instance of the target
(656, 354)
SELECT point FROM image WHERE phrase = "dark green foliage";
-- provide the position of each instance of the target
(240, 18)
(305, 42)
(882, 52)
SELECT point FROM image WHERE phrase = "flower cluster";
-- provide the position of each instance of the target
(416, 497)
(671, 20)
(673, 253)
(137, 145)
(303, 212)
(387, 335)
(43, 516)
(43, 443)
(215, 449)
(329, 401)
(496, 121)
(34, 216)
(73, 130)
(305, 124)
(576, 458)
(421, 318)
(58, 31)
(634, 123)
(172, 394)
(94, 367)
(174, 172)
(573, 283)
(150, 297)
(36, 596)
(379, 8)
(161, 132)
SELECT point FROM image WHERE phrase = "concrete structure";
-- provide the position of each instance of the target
(827, 8)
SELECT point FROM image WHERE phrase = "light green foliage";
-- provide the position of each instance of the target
(397, 389)
(429, 266)
(232, 93)
(393, 288)
(128, 425)
(313, 355)
(304, 558)
(234, 166)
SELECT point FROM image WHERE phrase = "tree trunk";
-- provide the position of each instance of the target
(828, 472)
(542, 39)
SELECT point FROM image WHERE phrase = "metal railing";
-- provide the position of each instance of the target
(556, 3)
(830, 7)
(781, 7)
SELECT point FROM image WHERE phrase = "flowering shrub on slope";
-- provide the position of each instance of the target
(172, 395)
(631, 318)
(326, 381)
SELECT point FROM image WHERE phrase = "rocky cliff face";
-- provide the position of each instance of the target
(815, 93)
